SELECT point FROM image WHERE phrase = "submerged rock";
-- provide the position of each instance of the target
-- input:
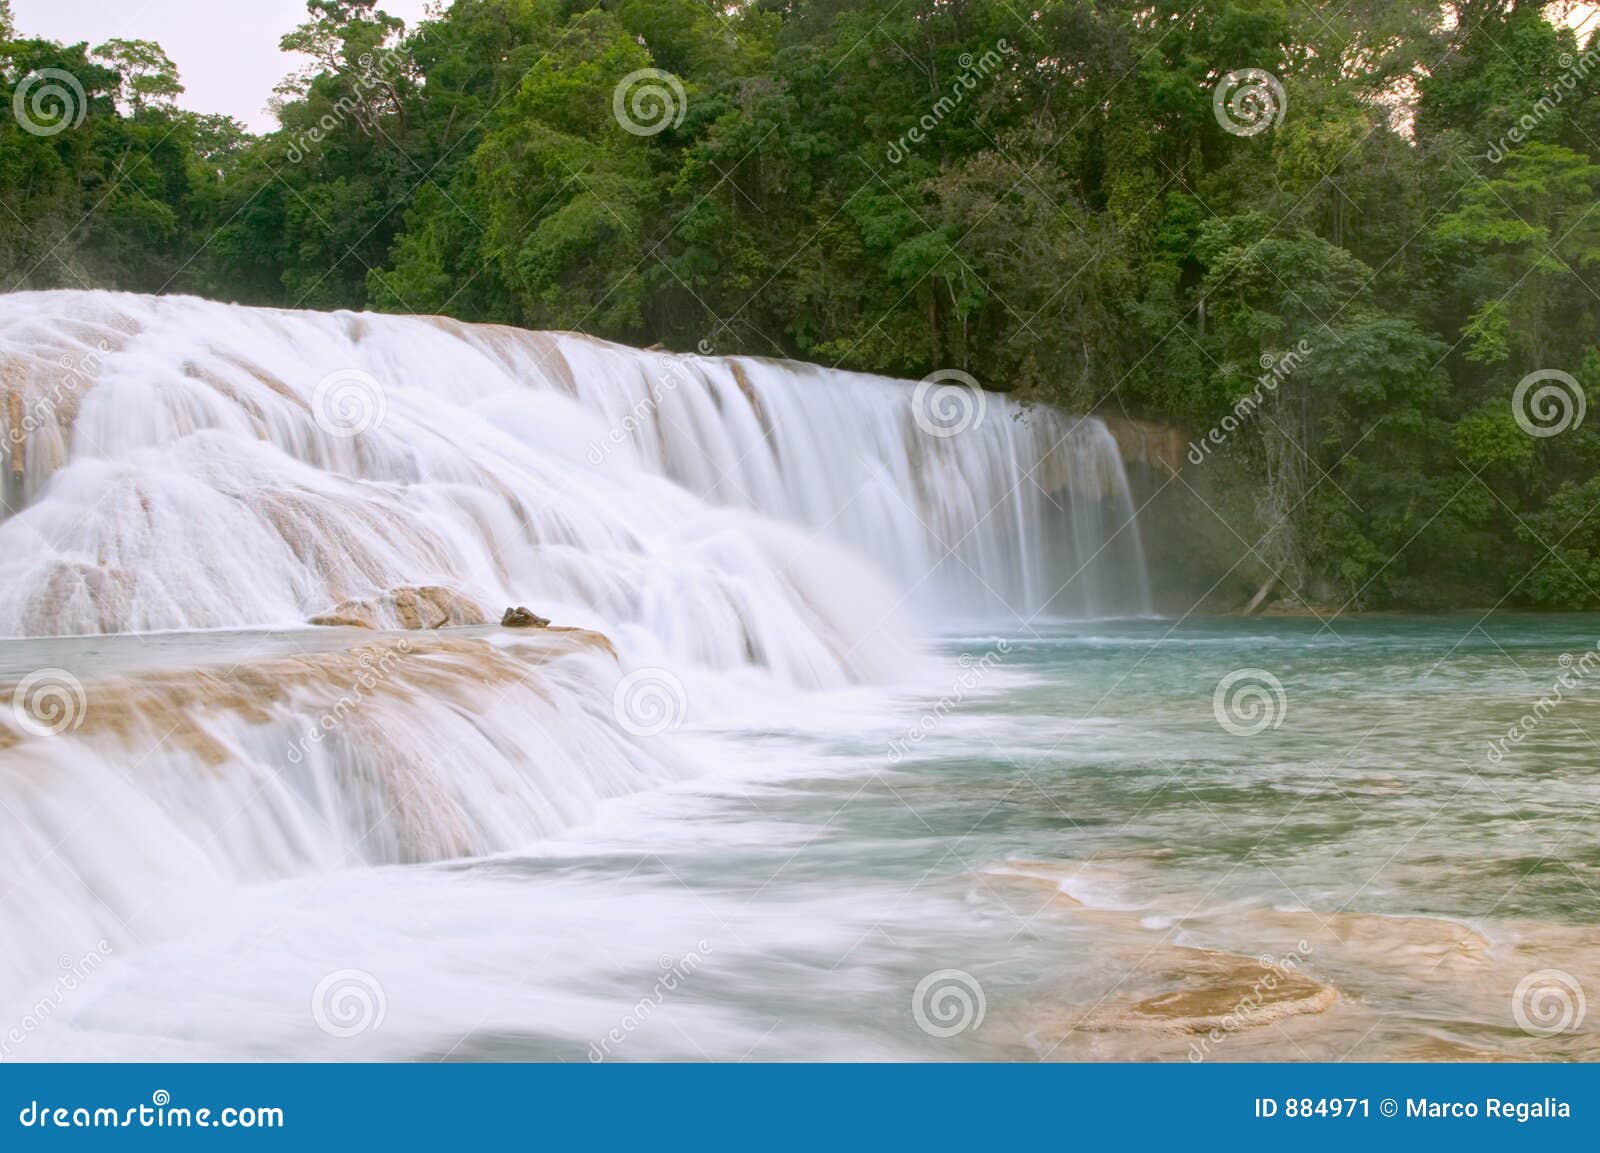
(1221, 991)
(523, 618)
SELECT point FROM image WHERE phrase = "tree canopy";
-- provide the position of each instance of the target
(1130, 204)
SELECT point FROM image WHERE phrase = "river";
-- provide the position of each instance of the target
(856, 737)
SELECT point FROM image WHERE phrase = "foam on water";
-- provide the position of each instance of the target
(180, 464)
(741, 530)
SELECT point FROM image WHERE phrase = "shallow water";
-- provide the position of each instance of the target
(1046, 847)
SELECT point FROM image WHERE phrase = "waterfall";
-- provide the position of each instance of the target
(158, 789)
(181, 464)
(719, 526)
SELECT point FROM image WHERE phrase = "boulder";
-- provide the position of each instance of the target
(523, 618)
(424, 607)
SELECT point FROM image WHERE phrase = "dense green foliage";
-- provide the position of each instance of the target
(1044, 195)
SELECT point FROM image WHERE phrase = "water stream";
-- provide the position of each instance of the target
(855, 739)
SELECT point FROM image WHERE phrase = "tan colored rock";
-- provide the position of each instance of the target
(1219, 991)
(173, 704)
(1147, 443)
(425, 607)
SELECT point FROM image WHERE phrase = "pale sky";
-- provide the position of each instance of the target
(226, 50)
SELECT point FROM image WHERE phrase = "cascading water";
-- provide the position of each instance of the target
(274, 784)
(727, 527)
(182, 464)
(987, 511)
(131, 809)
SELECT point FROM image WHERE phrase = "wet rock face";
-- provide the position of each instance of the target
(424, 607)
(521, 617)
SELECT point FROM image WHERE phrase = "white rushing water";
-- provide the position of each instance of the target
(737, 528)
(180, 464)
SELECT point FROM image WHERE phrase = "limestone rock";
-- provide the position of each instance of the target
(523, 618)
(425, 607)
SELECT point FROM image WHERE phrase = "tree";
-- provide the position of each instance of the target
(1064, 199)
(1530, 236)
(148, 77)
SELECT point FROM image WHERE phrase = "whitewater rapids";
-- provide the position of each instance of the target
(180, 464)
(726, 529)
